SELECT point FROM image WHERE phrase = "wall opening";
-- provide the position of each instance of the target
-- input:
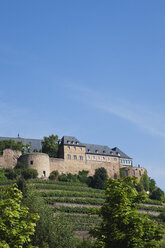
(31, 162)
(44, 174)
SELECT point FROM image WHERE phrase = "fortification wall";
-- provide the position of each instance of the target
(134, 171)
(71, 166)
(38, 161)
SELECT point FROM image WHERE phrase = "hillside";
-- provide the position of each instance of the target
(80, 203)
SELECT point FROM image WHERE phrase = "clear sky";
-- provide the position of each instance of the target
(90, 69)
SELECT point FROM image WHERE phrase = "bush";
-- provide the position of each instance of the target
(99, 179)
(3, 178)
(29, 173)
(10, 174)
(54, 175)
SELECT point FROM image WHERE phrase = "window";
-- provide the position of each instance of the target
(68, 147)
(68, 156)
(103, 158)
(74, 148)
(81, 157)
(115, 159)
(133, 173)
(31, 162)
(93, 157)
(109, 159)
(98, 158)
(74, 157)
(140, 173)
(80, 148)
(88, 156)
(126, 173)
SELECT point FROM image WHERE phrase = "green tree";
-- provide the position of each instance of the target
(157, 194)
(99, 179)
(16, 223)
(50, 232)
(122, 225)
(152, 184)
(50, 146)
(4, 144)
(144, 180)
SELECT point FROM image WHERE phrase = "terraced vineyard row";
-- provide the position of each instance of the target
(81, 204)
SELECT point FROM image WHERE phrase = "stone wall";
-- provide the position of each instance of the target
(133, 171)
(71, 166)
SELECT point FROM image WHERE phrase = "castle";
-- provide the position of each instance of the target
(74, 156)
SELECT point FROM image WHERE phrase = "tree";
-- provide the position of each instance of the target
(152, 184)
(50, 146)
(50, 232)
(4, 144)
(54, 175)
(157, 194)
(144, 180)
(99, 178)
(16, 223)
(122, 225)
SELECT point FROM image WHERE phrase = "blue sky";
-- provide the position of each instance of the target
(91, 69)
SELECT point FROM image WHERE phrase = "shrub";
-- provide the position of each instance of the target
(29, 173)
(10, 174)
(99, 178)
(54, 175)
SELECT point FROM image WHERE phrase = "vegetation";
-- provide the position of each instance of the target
(11, 144)
(50, 232)
(50, 145)
(122, 225)
(99, 179)
(17, 225)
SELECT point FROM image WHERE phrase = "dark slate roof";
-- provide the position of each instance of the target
(34, 143)
(122, 154)
(70, 140)
(94, 149)
(98, 149)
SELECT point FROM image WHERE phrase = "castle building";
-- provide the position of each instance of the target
(74, 156)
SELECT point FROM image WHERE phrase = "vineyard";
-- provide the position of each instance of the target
(80, 204)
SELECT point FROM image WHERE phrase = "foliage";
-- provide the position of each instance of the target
(99, 178)
(152, 184)
(50, 232)
(83, 176)
(4, 144)
(68, 188)
(10, 174)
(71, 194)
(54, 175)
(3, 177)
(122, 225)
(122, 173)
(83, 210)
(16, 223)
(144, 180)
(29, 173)
(76, 200)
(85, 243)
(157, 194)
(50, 146)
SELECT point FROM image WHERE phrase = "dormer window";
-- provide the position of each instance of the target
(103, 151)
(88, 150)
(68, 141)
(72, 142)
(77, 143)
(96, 151)
(111, 153)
